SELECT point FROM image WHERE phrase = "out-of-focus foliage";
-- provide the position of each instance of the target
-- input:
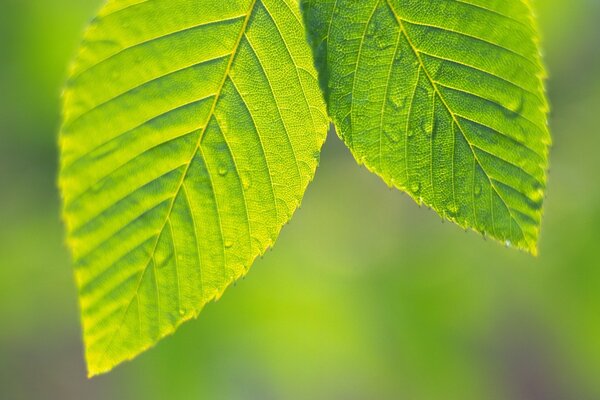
(365, 296)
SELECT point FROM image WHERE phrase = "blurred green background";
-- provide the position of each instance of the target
(365, 296)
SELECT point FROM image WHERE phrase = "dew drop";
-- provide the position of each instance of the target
(397, 101)
(391, 132)
(228, 244)
(246, 182)
(415, 187)
(223, 170)
(452, 209)
(515, 106)
(537, 196)
(427, 125)
(507, 243)
(181, 312)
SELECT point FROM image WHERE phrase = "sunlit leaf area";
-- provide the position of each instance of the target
(365, 294)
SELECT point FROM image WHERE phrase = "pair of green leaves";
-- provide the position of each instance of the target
(191, 129)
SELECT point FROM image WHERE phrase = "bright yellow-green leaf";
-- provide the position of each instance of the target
(191, 130)
(443, 99)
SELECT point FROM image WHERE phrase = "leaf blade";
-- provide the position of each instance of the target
(444, 100)
(182, 155)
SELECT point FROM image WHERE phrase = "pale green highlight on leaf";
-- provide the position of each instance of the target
(191, 129)
(443, 99)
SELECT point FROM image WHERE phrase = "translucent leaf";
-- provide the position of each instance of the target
(191, 130)
(444, 100)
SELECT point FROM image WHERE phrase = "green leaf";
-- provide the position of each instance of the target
(191, 130)
(443, 99)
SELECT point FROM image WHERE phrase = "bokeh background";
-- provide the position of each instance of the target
(365, 295)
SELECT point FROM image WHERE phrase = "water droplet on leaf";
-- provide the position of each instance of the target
(246, 181)
(415, 187)
(515, 106)
(427, 125)
(453, 209)
(391, 131)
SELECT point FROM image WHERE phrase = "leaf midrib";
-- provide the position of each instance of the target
(185, 172)
(433, 83)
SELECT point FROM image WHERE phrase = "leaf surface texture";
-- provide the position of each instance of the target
(443, 99)
(191, 129)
